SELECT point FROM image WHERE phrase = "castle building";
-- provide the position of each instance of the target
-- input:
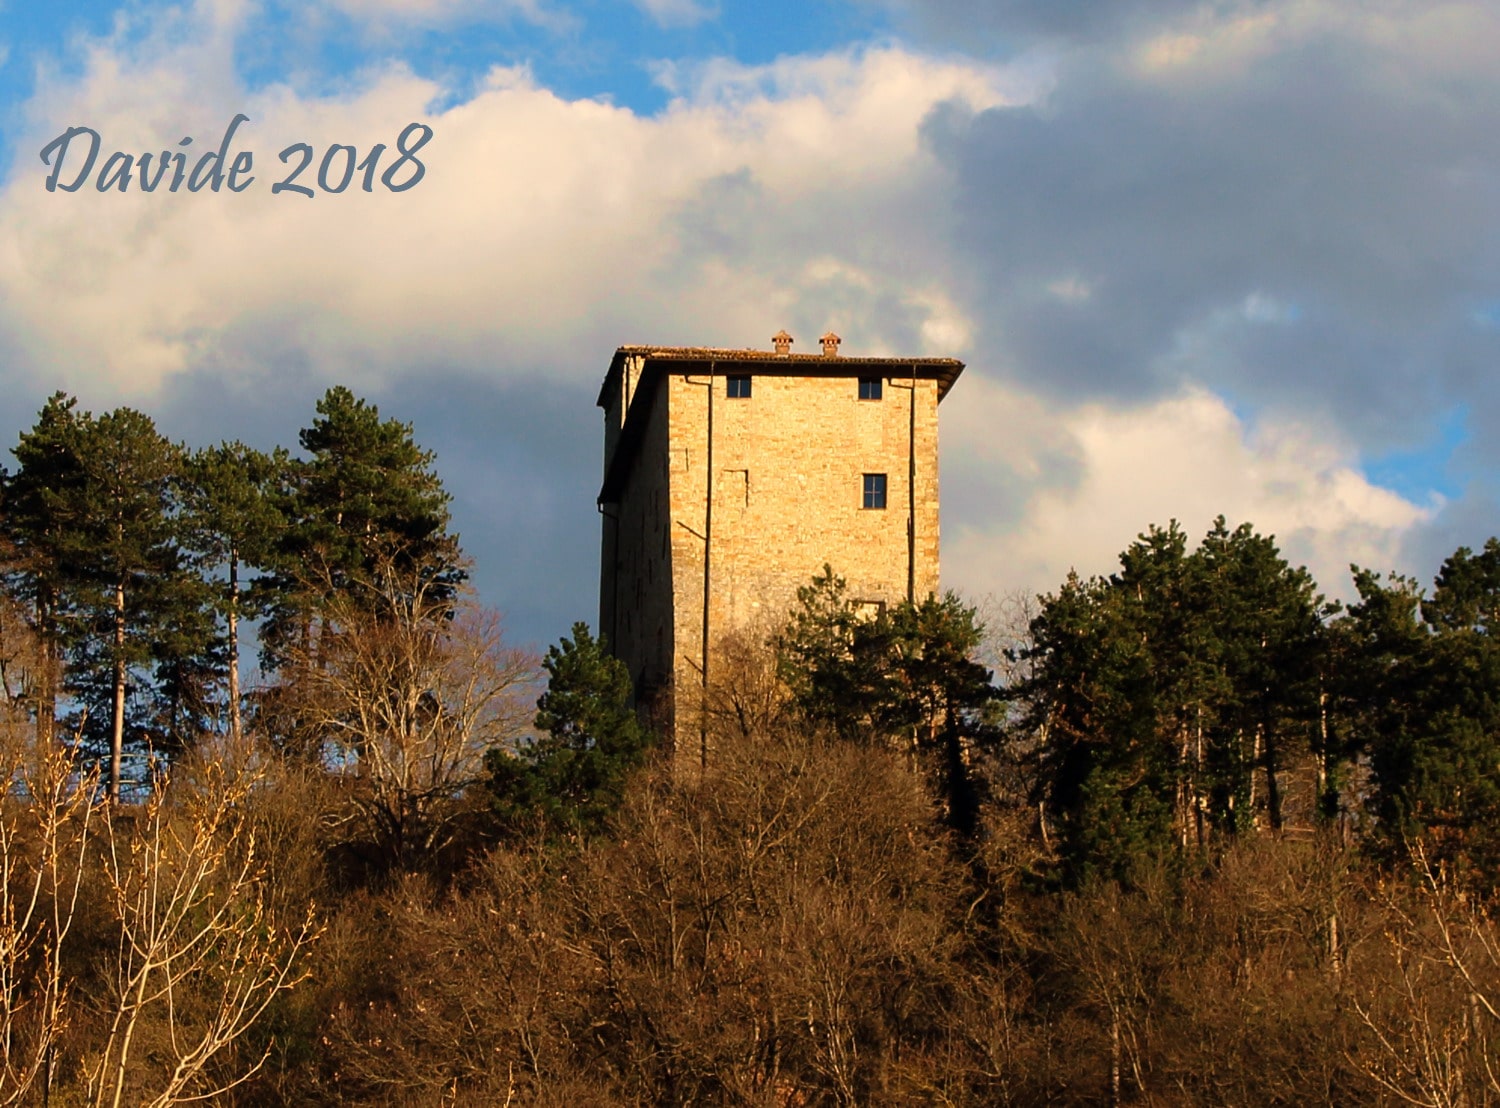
(731, 477)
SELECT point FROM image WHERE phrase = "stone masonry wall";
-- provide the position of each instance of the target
(636, 570)
(788, 463)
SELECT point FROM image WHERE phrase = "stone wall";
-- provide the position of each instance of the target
(787, 467)
(636, 574)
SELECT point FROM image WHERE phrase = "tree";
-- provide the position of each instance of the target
(44, 843)
(1090, 704)
(1265, 620)
(231, 523)
(836, 660)
(1434, 1020)
(572, 777)
(1425, 697)
(41, 517)
(187, 659)
(409, 691)
(125, 562)
(92, 515)
(365, 497)
(1160, 694)
(907, 674)
(202, 952)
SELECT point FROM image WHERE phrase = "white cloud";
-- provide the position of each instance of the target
(385, 13)
(676, 13)
(1085, 482)
(945, 326)
(804, 194)
(1215, 43)
(546, 230)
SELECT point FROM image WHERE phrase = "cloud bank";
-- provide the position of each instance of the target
(1199, 258)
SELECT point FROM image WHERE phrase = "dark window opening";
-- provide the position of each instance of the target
(874, 490)
(739, 387)
(869, 388)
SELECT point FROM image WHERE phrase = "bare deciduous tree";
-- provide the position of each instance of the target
(201, 953)
(746, 697)
(45, 818)
(1434, 1017)
(410, 687)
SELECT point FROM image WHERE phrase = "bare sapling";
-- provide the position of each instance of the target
(202, 954)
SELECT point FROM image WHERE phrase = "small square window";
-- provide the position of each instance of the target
(739, 387)
(874, 491)
(869, 388)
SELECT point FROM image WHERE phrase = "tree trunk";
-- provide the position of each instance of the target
(1250, 772)
(1273, 781)
(1114, 1057)
(46, 676)
(117, 723)
(1325, 808)
(1198, 778)
(1186, 786)
(234, 646)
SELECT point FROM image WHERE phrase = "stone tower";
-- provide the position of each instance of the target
(731, 477)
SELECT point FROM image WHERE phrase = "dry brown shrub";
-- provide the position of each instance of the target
(772, 933)
(46, 819)
(1220, 986)
(1427, 995)
(468, 999)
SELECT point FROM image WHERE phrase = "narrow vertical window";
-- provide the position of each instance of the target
(869, 388)
(874, 491)
(739, 387)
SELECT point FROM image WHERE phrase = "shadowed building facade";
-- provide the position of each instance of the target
(731, 477)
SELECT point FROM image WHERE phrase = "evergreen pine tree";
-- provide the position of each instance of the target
(572, 776)
(128, 578)
(41, 505)
(1159, 694)
(231, 524)
(366, 497)
(901, 675)
(1428, 709)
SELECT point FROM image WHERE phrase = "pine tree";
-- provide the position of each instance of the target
(1266, 622)
(570, 778)
(231, 524)
(1158, 694)
(903, 675)
(1428, 709)
(127, 575)
(367, 496)
(946, 694)
(1106, 778)
(836, 661)
(41, 506)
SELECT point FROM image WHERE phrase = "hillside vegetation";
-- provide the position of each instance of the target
(1185, 834)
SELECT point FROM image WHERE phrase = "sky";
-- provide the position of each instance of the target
(1235, 257)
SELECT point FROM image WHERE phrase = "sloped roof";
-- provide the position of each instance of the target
(945, 370)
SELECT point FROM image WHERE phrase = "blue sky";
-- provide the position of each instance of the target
(1199, 257)
(610, 49)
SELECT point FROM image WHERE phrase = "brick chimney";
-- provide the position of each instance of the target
(782, 341)
(831, 345)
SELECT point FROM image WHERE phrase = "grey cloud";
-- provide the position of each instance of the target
(1018, 23)
(521, 458)
(1355, 204)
